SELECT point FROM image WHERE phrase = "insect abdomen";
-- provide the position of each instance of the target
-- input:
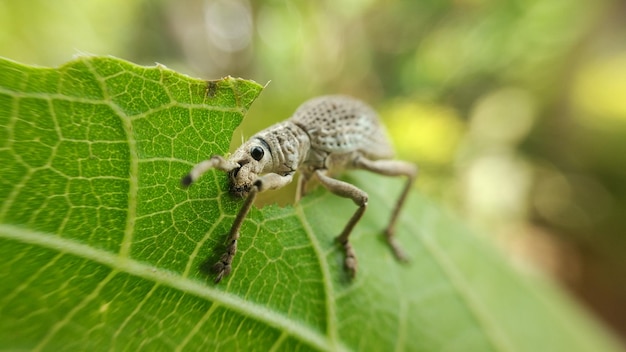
(339, 124)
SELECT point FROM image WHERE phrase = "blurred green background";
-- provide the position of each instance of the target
(515, 110)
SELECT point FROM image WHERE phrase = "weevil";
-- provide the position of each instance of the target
(324, 136)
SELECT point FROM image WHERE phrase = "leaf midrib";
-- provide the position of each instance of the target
(173, 280)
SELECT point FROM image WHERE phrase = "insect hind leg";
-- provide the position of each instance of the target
(392, 168)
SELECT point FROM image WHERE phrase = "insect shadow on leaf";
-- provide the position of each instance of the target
(208, 265)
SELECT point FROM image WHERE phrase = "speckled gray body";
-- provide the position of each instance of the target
(340, 125)
(324, 135)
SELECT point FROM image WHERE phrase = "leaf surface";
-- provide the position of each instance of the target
(101, 249)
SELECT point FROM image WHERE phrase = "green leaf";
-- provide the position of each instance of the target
(101, 249)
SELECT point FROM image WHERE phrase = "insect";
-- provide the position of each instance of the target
(325, 135)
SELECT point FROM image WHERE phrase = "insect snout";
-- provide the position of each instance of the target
(240, 179)
(233, 173)
(239, 191)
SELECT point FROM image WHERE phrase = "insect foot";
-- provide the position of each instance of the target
(350, 263)
(324, 136)
(223, 266)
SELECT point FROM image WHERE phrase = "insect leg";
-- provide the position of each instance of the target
(391, 168)
(223, 266)
(346, 190)
(303, 180)
(273, 181)
(216, 162)
(269, 181)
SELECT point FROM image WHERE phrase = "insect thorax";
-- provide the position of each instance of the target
(288, 144)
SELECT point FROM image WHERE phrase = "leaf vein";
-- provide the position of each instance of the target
(331, 314)
(173, 280)
(133, 180)
(68, 317)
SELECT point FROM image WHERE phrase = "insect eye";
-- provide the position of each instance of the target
(257, 153)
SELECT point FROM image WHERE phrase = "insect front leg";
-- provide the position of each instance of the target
(223, 266)
(346, 190)
(266, 182)
(391, 168)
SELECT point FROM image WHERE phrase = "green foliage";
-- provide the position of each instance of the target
(101, 248)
